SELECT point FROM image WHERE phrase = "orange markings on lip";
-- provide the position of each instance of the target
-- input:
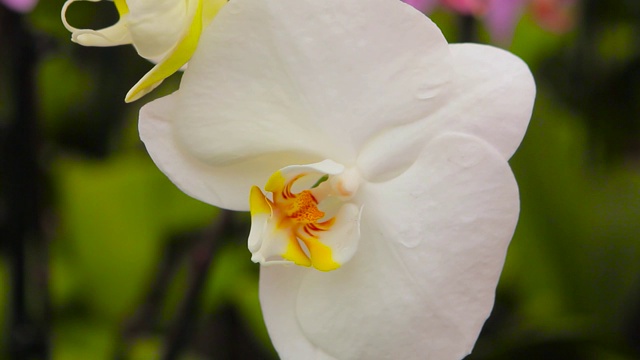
(299, 212)
(304, 208)
(286, 191)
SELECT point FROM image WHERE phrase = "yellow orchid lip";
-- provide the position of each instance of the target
(291, 227)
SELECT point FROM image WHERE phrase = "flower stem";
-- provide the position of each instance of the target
(201, 257)
(468, 28)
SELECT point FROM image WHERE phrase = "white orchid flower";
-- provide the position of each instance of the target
(165, 32)
(388, 203)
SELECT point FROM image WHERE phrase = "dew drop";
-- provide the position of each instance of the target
(410, 242)
(427, 92)
(410, 236)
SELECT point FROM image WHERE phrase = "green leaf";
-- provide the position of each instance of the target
(116, 216)
(573, 261)
(76, 340)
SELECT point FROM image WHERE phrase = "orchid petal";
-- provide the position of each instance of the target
(121, 6)
(162, 31)
(261, 212)
(492, 97)
(114, 35)
(210, 9)
(423, 279)
(344, 235)
(278, 289)
(180, 54)
(264, 69)
(224, 186)
(157, 26)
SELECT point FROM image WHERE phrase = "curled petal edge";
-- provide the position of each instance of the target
(114, 35)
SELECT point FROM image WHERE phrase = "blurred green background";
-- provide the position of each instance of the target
(120, 264)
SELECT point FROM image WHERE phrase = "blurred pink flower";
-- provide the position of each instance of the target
(501, 16)
(22, 6)
(426, 6)
(554, 15)
(468, 7)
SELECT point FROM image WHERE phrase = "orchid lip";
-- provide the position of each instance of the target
(308, 219)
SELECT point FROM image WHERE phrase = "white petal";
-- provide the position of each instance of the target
(261, 212)
(117, 34)
(259, 228)
(225, 186)
(157, 26)
(278, 287)
(423, 279)
(492, 98)
(270, 252)
(318, 77)
(344, 236)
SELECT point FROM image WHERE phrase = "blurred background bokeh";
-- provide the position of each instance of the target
(103, 258)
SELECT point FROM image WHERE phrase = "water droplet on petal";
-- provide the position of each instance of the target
(410, 236)
(410, 242)
(427, 92)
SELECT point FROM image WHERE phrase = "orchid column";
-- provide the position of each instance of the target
(373, 157)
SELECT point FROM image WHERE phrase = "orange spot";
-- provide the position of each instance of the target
(298, 214)
(304, 208)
